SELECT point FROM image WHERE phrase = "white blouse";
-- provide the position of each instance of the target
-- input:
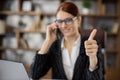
(69, 61)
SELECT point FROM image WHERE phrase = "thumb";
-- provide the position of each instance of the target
(92, 35)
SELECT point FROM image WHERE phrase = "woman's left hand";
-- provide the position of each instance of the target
(91, 46)
(91, 49)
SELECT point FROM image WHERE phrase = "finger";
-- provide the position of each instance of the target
(89, 42)
(92, 35)
(90, 51)
(91, 47)
(52, 27)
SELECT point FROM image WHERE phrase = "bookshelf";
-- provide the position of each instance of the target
(39, 17)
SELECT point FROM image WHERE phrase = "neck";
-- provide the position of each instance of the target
(71, 39)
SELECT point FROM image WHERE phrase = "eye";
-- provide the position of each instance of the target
(59, 21)
(68, 20)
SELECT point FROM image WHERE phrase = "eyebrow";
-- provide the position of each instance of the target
(65, 18)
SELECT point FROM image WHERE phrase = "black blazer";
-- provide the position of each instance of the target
(53, 59)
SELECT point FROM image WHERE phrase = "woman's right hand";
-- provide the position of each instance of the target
(50, 34)
(50, 38)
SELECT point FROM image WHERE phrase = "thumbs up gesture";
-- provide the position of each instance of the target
(91, 46)
(91, 49)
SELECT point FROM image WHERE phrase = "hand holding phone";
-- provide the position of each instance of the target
(51, 32)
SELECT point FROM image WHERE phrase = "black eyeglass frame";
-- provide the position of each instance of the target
(67, 20)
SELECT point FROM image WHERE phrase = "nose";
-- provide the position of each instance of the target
(63, 25)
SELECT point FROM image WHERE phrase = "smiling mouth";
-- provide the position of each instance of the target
(67, 30)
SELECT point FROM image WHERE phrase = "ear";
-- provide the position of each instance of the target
(79, 19)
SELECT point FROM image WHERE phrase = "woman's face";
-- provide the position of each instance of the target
(67, 23)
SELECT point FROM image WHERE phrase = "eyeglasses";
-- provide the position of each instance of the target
(67, 21)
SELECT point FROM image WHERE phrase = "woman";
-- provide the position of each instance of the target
(71, 56)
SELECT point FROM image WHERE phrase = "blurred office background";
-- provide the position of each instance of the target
(23, 24)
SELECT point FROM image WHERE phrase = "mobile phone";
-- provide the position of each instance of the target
(58, 33)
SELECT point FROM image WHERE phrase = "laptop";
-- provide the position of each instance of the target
(10, 70)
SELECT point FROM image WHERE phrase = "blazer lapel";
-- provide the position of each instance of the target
(61, 66)
(60, 62)
(80, 60)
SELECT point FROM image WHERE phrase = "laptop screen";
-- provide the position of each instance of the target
(12, 71)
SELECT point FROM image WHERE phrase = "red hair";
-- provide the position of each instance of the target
(68, 7)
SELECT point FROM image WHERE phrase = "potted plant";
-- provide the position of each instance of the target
(86, 6)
